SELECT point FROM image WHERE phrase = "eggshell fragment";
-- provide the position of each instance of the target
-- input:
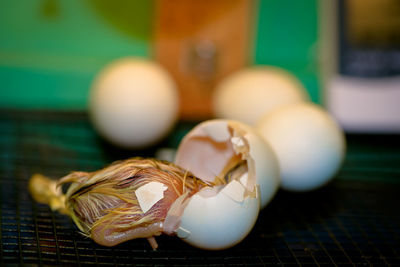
(309, 144)
(149, 194)
(220, 216)
(235, 190)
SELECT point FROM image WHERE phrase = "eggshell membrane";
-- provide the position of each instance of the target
(250, 93)
(309, 144)
(133, 103)
(207, 148)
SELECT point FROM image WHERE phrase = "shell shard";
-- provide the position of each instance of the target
(149, 194)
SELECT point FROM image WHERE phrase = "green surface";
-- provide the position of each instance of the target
(287, 37)
(50, 50)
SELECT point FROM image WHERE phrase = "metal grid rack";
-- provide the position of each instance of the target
(353, 221)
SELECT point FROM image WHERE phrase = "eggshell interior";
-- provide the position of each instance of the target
(195, 153)
(210, 146)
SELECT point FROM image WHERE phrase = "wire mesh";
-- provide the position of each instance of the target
(352, 221)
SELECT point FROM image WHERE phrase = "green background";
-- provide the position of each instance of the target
(50, 50)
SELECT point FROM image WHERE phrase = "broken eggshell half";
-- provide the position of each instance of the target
(244, 173)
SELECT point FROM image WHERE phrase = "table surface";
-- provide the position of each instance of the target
(355, 220)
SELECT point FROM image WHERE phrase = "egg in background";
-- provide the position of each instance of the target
(133, 103)
(250, 93)
(309, 144)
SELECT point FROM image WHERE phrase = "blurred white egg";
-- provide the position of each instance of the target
(133, 102)
(309, 144)
(250, 93)
(221, 150)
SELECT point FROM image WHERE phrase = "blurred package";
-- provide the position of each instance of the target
(360, 41)
(199, 43)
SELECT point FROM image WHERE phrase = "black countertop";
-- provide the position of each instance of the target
(355, 220)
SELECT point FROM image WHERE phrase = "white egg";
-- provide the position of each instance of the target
(133, 102)
(250, 93)
(217, 222)
(309, 144)
(221, 216)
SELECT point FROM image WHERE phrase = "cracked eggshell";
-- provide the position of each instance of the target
(221, 216)
(217, 222)
(207, 148)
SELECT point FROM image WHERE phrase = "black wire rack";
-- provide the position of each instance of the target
(353, 221)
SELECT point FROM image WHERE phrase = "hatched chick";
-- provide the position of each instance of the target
(128, 199)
